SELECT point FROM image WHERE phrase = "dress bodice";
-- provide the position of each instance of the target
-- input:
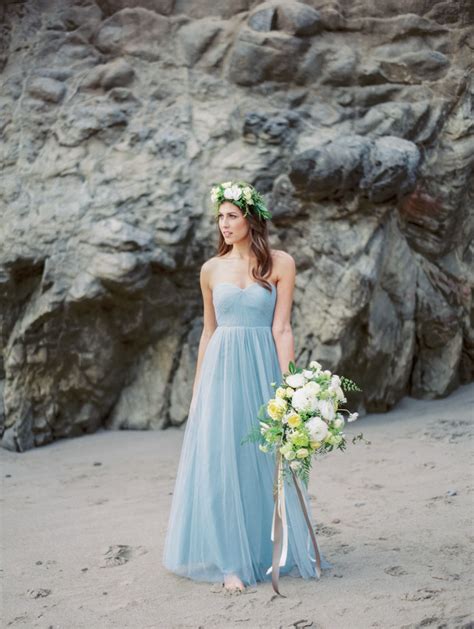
(252, 306)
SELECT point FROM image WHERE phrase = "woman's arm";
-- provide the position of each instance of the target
(209, 318)
(281, 327)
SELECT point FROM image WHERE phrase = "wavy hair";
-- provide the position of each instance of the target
(259, 245)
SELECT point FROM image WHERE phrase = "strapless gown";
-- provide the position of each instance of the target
(221, 514)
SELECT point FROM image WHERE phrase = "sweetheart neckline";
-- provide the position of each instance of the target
(238, 287)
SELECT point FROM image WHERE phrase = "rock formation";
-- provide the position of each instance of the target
(355, 121)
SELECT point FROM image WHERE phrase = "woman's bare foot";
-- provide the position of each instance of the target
(232, 582)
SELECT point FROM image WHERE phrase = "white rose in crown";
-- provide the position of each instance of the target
(237, 192)
(295, 380)
(315, 365)
(214, 193)
(318, 429)
(227, 184)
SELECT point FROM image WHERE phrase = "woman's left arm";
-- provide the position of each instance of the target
(281, 326)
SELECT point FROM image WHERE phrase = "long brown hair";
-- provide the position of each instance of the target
(259, 245)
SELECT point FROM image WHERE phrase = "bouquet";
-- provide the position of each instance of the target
(302, 420)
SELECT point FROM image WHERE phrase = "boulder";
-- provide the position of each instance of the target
(137, 32)
(294, 18)
(47, 89)
(163, 7)
(258, 57)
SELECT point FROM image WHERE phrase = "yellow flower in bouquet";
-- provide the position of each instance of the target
(293, 420)
(280, 392)
(276, 408)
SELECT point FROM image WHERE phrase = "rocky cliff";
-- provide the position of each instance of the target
(354, 119)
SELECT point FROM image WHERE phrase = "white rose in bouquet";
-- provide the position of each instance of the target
(315, 365)
(302, 453)
(335, 381)
(338, 422)
(318, 429)
(312, 387)
(302, 401)
(326, 408)
(295, 380)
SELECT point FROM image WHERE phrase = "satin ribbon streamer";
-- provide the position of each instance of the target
(280, 525)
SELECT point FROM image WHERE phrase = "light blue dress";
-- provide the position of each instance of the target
(222, 508)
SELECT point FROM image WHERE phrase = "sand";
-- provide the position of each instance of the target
(84, 521)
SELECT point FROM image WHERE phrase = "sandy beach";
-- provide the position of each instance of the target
(84, 521)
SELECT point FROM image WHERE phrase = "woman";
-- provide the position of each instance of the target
(221, 516)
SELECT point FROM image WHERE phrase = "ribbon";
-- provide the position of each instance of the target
(280, 525)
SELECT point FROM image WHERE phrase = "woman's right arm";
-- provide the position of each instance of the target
(209, 319)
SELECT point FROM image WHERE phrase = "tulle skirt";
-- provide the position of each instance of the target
(222, 508)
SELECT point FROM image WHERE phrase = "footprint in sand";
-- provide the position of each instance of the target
(23, 619)
(421, 594)
(327, 531)
(98, 502)
(119, 554)
(38, 593)
(373, 486)
(395, 571)
(302, 624)
(449, 430)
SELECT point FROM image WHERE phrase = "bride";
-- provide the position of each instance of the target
(220, 520)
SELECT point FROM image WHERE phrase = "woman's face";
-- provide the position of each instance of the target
(232, 223)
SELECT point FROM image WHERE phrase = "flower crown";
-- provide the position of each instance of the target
(241, 194)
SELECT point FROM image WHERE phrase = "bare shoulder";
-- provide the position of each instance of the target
(209, 265)
(207, 269)
(283, 261)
